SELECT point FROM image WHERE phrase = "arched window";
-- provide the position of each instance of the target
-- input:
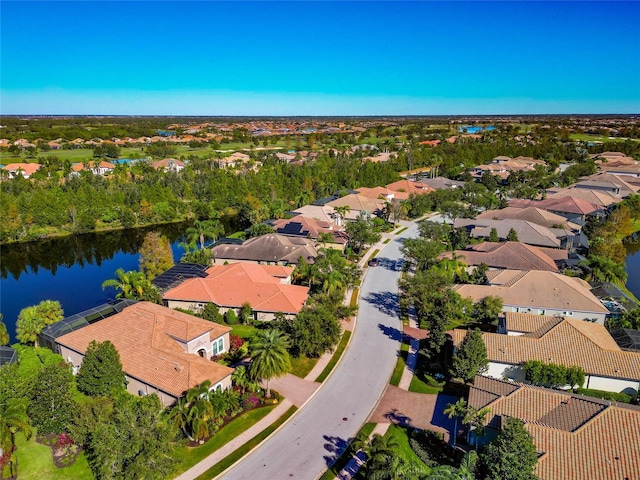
(217, 347)
(202, 352)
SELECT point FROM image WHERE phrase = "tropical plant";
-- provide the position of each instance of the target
(134, 285)
(13, 419)
(201, 230)
(32, 320)
(476, 420)
(4, 334)
(269, 355)
(603, 269)
(455, 411)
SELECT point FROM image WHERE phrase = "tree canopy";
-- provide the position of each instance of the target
(101, 370)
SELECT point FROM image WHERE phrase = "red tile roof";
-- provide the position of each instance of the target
(239, 283)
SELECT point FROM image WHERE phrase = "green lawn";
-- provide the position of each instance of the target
(232, 458)
(188, 457)
(354, 298)
(423, 383)
(301, 366)
(243, 331)
(401, 434)
(402, 361)
(35, 462)
(586, 137)
(347, 455)
(336, 356)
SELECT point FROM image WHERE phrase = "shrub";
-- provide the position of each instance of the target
(431, 448)
(230, 317)
(614, 396)
(250, 400)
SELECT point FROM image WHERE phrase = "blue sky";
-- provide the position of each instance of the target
(324, 58)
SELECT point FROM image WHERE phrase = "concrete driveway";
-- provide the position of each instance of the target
(322, 429)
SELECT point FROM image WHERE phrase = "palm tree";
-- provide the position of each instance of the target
(342, 213)
(4, 334)
(455, 411)
(476, 420)
(206, 229)
(604, 269)
(333, 281)
(134, 285)
(13, 419)
(29, 325)
(270, 357)
(180, 416)
(240, 378)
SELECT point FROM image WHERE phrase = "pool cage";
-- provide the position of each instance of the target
(48, 336)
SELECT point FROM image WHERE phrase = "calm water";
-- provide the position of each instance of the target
(71, 270)
(633, 264)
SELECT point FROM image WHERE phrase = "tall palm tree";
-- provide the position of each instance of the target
(270, 357)
(476, 419)
(134, 285)
(201, 230)
(29, 325)
(179, 414)
(13, 419)
(333, 281)
(455, 411)
(342, 213)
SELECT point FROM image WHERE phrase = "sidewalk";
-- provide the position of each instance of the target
(236, 443)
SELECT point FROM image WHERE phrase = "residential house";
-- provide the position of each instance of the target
(267, 288)
(169, 165)
(404, 188)
(95, 167)
(358, 204)
(322, 213)
(574, 209)
(576, 437)
(380, 157)
(270, 249)
(234, 160)
(528, 232)
(441, 183)
(597, 197)
(508, 255)
(539, 292)
(24, 169)
(563, 341)
(162, 351)
(531, 214)
(502, 166)
(301, 226)
(614, 184)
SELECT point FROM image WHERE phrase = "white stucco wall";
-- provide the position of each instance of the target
(611, 384)
(600, 317)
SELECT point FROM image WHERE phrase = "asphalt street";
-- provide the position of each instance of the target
(322, 429)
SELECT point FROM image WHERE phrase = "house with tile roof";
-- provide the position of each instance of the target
(528, 232)
(563, 341)
(94, 166)
(576, 437)
(322, 213)
(539, 292)
(25, 169)
(601, 198)
(507, 255)
(306, 227)
(358, 204)
(270, 249)
(162, 351)
(531, 214)
(441, 183)
(574, 209)
(403, 188)
(169, 165)
(234, 160)
(502, 166)
(267, 288)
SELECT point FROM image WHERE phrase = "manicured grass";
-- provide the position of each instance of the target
(188, 456)
(347, 455)
(243, 331)
(35, 462)
(301, 366)
(401, 230)
(232, 458)
(423, 383)
(585, 137)
(387, 241)
(401, 434)
(402, 361)
(336, 356)
(354, 298)
(241, 235)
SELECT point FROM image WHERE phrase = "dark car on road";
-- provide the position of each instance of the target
(373, 262)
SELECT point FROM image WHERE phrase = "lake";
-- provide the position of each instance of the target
(71, 269)
(632, 245)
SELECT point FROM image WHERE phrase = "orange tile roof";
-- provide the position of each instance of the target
(579, 437)
(144, 334)
(239, 283)
(566, 342)
(27, 168)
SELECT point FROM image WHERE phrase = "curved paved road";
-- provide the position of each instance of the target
(316, 435)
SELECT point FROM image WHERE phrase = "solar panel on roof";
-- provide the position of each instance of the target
(178, 273)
